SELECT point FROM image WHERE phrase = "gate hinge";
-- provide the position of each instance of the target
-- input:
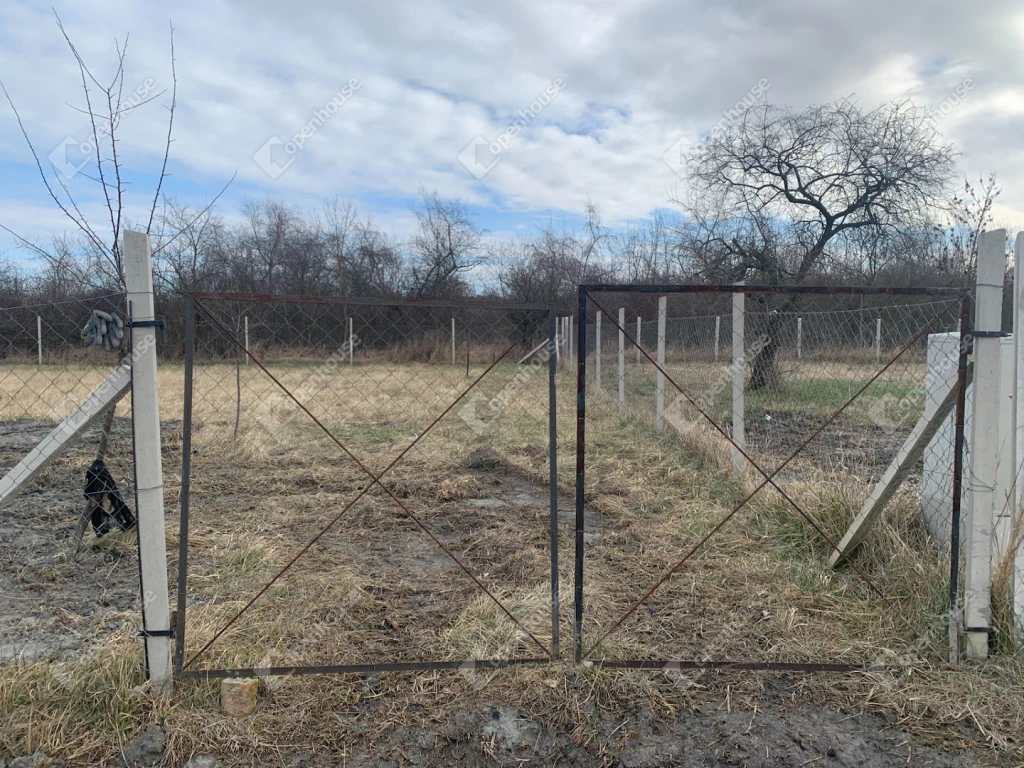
(155, 633)
(161, 324)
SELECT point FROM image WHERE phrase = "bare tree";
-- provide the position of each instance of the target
(105, 104)
(446, 246)
(188, 260)
(824, 171)
(969, 214)
(337, 232)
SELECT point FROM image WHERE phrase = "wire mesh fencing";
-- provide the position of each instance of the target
(49, 550)
(766, 431)
(369, 485)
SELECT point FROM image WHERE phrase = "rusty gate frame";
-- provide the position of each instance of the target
(581, 654)
(193, 302)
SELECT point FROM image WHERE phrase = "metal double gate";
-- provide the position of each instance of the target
(923, 311)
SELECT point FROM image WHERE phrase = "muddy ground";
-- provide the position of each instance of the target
(55, 605)
(781, 732)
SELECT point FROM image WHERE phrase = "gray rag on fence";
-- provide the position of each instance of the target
(103, 330)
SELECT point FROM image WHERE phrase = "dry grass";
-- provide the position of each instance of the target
(376, 588)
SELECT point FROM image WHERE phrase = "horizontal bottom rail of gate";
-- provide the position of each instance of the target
(338, 669)
(756, 666)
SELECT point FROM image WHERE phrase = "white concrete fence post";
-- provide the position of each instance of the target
(573, 342)
(878, 340)
(39, 337)
(1018, 488)
(981, 481)
(622, 360)
(659, 421)
(718, 332)
(569, 341)
(138, 264)
(562, 342)
(738, 370)
(1004, 519)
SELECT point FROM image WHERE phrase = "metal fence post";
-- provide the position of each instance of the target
(148, 463)
(878, 340)
(958, 471)
(622, 360)
(39, 337)
(581, 420)
(597, 348)
(638, 339)
(799, 337)
(659, 419)
(246, 319)
(553, 342)
(186, 483)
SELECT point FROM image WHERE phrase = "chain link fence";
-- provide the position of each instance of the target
(46, 373)
(763, 434)
(369, 482)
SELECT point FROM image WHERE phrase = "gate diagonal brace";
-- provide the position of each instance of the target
(375, 480)
(768, 478)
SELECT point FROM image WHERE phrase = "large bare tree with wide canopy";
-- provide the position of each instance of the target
(811, 175)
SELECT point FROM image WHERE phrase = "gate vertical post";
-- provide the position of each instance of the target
(738, 369)
(659, 420)
(149, 484)
(186, 483)
(622, 360)
(984, 449)
(597, 348)
(958, 471)
(581, 420)
(553, 342)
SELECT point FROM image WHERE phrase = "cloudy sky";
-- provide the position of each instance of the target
(596, 94)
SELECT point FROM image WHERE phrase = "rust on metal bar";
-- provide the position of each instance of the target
(341, 669)
(751, 666)
(267, 298)
(781, 289)
(768, 478)
(375, 480)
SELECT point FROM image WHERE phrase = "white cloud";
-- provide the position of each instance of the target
(435, 74)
